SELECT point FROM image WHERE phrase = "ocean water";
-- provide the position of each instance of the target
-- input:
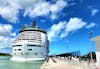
(5, 63)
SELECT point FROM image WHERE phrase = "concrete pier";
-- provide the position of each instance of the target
(66, 64)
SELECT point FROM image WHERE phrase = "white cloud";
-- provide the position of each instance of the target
(53, 17)
(60, 4)
(72, 4)
(45, 8)
(9, 14)
(27, 3)
(94, 11)
(55, 30)
(5, 29)
(62, 29)
(6, 35)
(42, 8)
(13, 34)
(5, 49)
(5, 44)
(9, 10)
(73, 25)
(5, 41)
(91, 25)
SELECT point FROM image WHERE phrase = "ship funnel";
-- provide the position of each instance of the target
(34, 24)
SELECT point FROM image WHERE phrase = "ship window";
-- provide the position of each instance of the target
(15, 49)
(19, 49)
(35, 53)
(32, 39)
(38, 45)
(35, 45)
(23, 39)
(30, 49)
(39, 40)
(39, 37)
(16, 45)
(30, 45)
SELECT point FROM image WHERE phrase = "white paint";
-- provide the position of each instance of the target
(98, 59)
(37, 52)
(97, 41)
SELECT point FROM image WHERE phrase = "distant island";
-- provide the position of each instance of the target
(4, 54)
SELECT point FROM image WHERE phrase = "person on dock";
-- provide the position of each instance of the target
(88, 61)
(70, 58)
(80, 59)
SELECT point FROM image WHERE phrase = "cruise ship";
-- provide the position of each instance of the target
(30, 44)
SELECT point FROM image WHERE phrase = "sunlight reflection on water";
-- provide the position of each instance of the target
(5, 63)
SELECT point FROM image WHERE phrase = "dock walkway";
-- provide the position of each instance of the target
(56, 63)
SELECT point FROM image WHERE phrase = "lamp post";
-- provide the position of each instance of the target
(90, 33)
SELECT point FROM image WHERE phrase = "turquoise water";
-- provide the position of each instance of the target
(5, 63)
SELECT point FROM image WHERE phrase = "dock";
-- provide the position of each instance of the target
(56, 63)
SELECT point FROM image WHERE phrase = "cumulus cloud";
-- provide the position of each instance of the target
(41, 9)
(6, 30)
(53, 17)
(9, 10)
(4, 41)
(5, 50)
(91, 25)
(5, 44)
(44, 8)
(6, 35)
(55, 30)
(73, 25)
(62, 29)
(94, 11)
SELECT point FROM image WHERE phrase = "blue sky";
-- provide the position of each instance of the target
(67, 22)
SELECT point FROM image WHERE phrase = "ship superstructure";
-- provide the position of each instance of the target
(30, 44)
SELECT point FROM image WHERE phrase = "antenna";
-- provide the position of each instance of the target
(90, 33)
(33, 24)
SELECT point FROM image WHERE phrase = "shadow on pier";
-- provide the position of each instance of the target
(65, 63)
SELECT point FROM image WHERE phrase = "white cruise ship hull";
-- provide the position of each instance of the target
(22, 59)
(25, 54)
(31, 44)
